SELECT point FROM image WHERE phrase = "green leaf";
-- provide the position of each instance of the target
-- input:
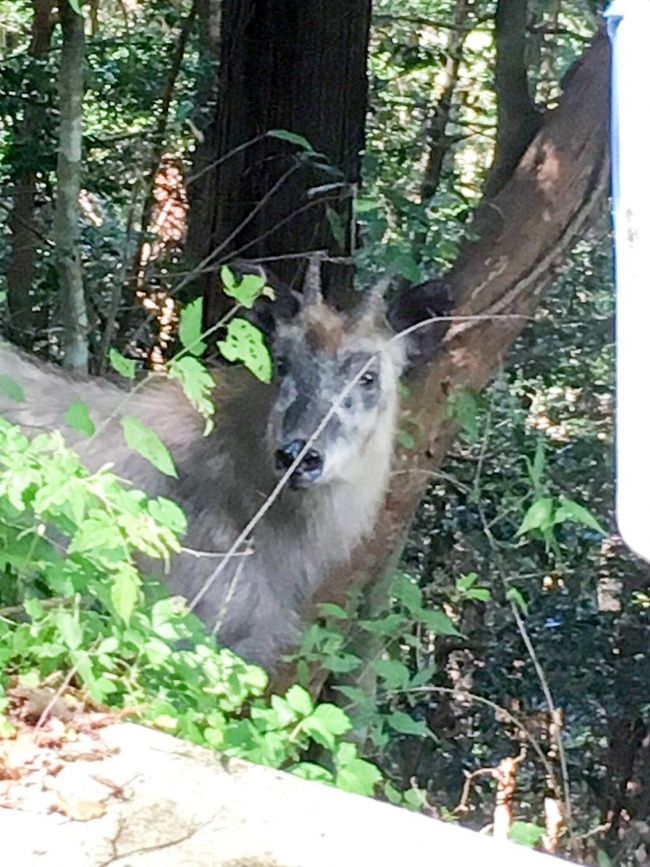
(363, 205)
(516, 598)
(336, 225)
(299, 700)
(292, 137)
(169, 514)
(190, 327)
(423, 676)
(69, 628)
(358, 776)
(330, 609)
(538, 517)
(415, 798)
(481, 594)
(405, 440)
(571, 511)
(438, 622)
(408, 593)
(326, 723)
(405, 725)
(311, 771)
(603, 859)
(197, 384)
(394, 674)
(78, 418)
(406, 265)
(124, 366)
(11, 388)
(463, 408)
(526, 833)
(244, 342)
(148, 444)
(76, 5)
(536, 469)
(466, 581)
(125, 591)
(246, 290)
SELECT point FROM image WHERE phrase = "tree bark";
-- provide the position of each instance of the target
(23, 322)
(523, 235)
(66, 218)
(517, 118)
(205, 102)
(299, 66)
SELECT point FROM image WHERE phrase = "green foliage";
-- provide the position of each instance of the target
(516, 519)
(69, 540)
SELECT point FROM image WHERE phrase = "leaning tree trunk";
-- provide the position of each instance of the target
(297, 66)
(517, 118)
(68, 177)
(523, 235)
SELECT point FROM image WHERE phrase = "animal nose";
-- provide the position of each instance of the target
(309, 468)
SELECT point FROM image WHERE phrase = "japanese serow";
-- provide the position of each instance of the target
(325, 425)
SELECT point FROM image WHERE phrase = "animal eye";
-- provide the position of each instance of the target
(368, 379)
(281, 367)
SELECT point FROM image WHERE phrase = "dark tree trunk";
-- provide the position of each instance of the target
(23, 322)
(299, 66)
(205, 106)
(517, 118)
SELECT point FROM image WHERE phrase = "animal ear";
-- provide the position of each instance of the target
(423, 303)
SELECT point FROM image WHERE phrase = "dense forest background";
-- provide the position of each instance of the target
(516, 623)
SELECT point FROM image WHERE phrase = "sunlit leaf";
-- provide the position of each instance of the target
(190, 327)
(245, 343)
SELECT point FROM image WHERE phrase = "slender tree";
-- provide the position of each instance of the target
(66, 220)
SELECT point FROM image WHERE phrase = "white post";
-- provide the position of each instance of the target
(628, 23)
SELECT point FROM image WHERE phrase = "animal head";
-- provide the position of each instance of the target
(337, 378)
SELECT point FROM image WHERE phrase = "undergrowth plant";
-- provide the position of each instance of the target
(75, 606)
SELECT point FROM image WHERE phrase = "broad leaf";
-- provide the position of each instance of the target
(244, 342)
(190, 327)
(148, 444)
(78, 418)
(124, 366)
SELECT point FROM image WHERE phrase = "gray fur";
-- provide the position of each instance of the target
(226, 477)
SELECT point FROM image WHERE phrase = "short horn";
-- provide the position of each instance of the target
(312, 288)
(372, 303)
